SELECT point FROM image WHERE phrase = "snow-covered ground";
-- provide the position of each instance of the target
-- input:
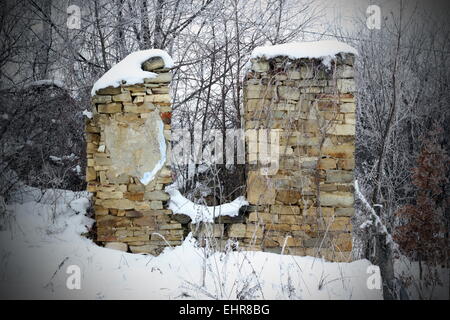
(42, 239)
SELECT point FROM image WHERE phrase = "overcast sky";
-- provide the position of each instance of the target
(342, 13)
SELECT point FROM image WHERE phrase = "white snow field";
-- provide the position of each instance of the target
(41, 242)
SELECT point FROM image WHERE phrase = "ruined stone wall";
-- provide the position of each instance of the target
(126, 136)
(306, 205)
(301, 206)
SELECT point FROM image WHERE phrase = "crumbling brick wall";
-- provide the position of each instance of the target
(306, 203)
(302, 205)
(121, 137)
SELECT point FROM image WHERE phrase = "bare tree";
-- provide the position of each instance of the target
(401, 72)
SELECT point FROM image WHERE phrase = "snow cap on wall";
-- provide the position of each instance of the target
(129, 71)
(325, 50)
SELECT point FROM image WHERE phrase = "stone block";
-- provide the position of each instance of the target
(156, 195)
(109, 108)
(308, 140)
(155, 205)
(314, 243)
(288, 93)
(109, 221)
(289, 219)
(288, 196)
(271, 242)
(123, 204)
(282, 227)
(346, 85)
(343, 241)
(156, 98)
(117, 246)
(133, 214)
(170, 226)
(344, 71)
(342, 130)
(338, 224)
(136, 188)
(349, 107)
(145, 107)
(145, 221)
(350, 118)
(258, 92)
(260, 65)
(307, 72)
(327, 105)
(339, 176)
(314, 211)
(148, 248)
(328, 187)
(160, 78)
(345, 58)
(207, 230)
(259, 190)
(237, 230)
(294, 75)
(345, 151)
(160, 90)
(122, 97)
(181, 218)
(153, 63)
(327, 163)
(134, 196)
(264, 217)
(345, 212)
(291, 242)
(337, 199)
(109, 195)
(254, 231)
(91, 174)
(101, 99)
(346, 164)
(109, 91)
(282, 210)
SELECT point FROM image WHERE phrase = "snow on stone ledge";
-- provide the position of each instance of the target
(199, 213)
(325, 50)
(130, 69)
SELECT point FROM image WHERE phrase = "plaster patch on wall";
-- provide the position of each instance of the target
(137, 149)
(149, 175)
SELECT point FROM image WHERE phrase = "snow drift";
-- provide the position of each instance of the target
(43, 241)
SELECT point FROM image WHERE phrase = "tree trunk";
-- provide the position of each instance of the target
(121, 45)
(145, 28)
(158, 35)
(384, 259)
(43, 54)
(100, 35)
